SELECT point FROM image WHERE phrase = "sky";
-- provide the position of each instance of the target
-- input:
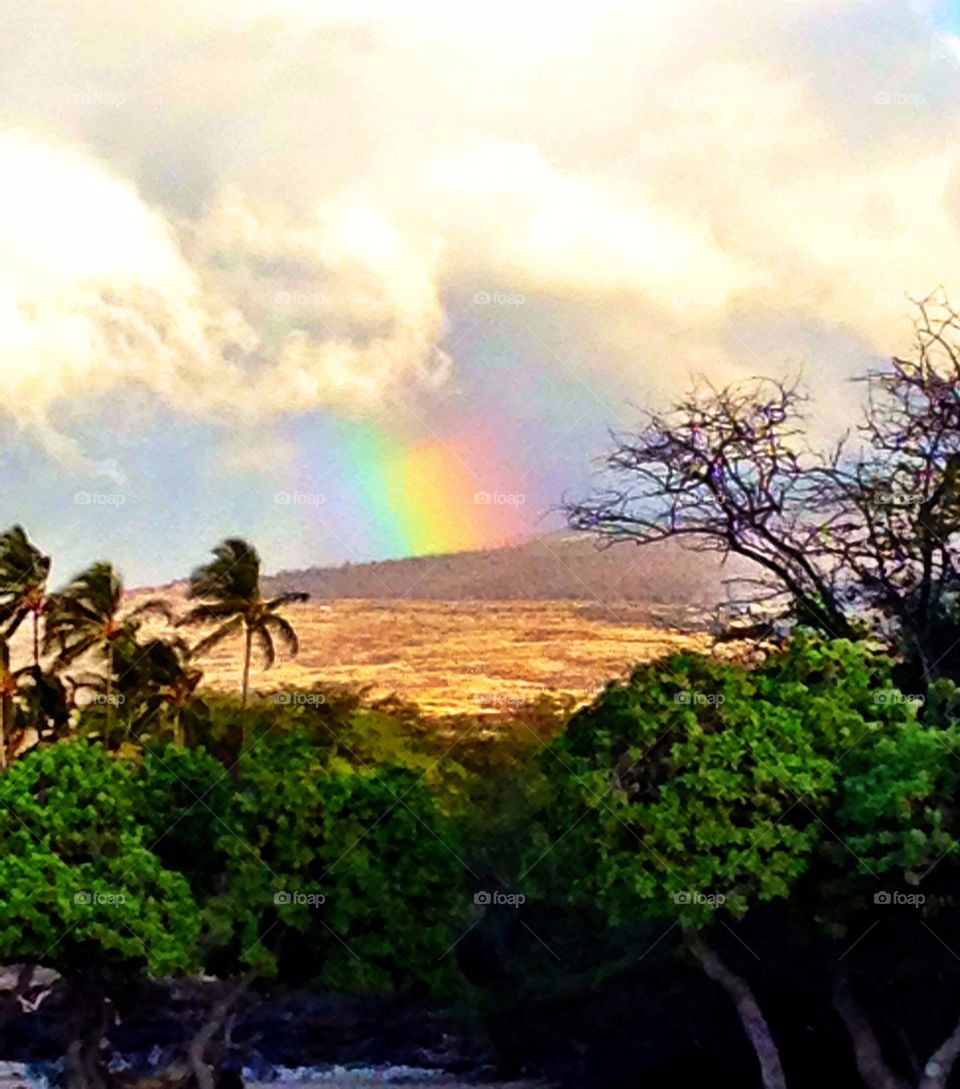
(368, 279)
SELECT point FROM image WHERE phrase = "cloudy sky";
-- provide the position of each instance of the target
(363, 279)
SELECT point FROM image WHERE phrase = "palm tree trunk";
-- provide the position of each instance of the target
(6, 704)
(4, 723)
(247, 651)
(109, 729)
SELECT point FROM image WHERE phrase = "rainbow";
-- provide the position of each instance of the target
(420, 497)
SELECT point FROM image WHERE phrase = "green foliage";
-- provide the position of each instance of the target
(372, 844)
(695, 784)
(898, 808)
(81, 887)
(182, 804)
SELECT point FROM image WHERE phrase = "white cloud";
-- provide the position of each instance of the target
(255, 209)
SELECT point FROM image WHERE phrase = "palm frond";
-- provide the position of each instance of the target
(23, 567)
(233, 573)
(155, 606)
(71, 650)
(265, 645)
(19, 615)
(213, 610)
(231, 627)
(287, 599)
(284, 629)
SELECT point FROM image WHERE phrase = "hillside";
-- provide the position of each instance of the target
(660, 584)
(486, 630)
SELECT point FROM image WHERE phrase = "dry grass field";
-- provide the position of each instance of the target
(455, 633)
(454, 657)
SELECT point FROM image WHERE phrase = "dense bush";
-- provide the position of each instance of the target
(698, 791)
(348, 877)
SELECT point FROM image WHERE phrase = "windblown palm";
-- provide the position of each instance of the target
(86, 617)
(161, 682)
(29, 699)
(229, 587)
(23, 584)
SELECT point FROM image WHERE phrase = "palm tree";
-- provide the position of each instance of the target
(23, 584)
(162, 682)
(28, 698)
(229, 587)
(86, 617)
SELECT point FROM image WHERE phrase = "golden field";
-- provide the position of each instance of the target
(453, 657)
(449, 657)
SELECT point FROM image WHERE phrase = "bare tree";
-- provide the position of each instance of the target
(729, 470)
(857, 539)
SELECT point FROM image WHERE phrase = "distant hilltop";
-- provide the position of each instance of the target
(660, 583)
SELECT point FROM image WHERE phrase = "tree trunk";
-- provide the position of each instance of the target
(937, 1071)
(36, 640)
(109, 729)
(89, 1018)
(6, 703)
(871, 1064)
(198, 1056)
(247, 651)
(753, 1021)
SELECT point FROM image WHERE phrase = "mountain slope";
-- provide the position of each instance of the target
(662, 582)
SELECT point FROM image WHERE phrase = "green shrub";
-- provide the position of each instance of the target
(372, 843)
